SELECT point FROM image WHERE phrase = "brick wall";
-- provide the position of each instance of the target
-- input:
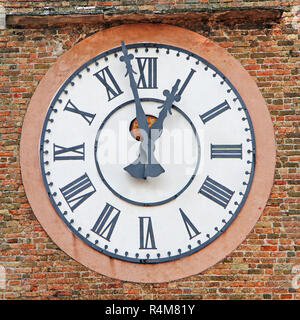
(262, 266)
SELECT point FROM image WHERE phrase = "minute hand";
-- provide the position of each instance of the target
(140, 114)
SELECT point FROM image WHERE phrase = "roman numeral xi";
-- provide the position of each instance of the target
(107, 79)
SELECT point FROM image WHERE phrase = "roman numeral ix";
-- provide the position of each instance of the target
(68, 153)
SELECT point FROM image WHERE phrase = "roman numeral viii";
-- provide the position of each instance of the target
(68, 153)
(78, 191)
(106, 78)
(147, 240)
(148, 73)
(106, 222)
(216, 192)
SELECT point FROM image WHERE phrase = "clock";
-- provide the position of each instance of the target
(147, 149)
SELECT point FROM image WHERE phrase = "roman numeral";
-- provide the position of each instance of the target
(71, 153)
(148, 73)
(78, 191)
(106, 78)
(106, 222)
(233, 151)
(216, 192)
(215, 112)
(89, 117)
(146, 233)
(191, 229)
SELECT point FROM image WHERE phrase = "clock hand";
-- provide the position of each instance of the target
(138, 168)
(157, 126)
(153, 168)
(140, 114)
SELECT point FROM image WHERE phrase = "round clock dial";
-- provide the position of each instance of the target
(165, 189)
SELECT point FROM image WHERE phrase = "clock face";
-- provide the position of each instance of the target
(147, 152)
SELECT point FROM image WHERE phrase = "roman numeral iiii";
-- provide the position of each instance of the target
(216, 192)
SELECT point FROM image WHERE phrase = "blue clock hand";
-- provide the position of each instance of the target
(167, 105)
(138, 168)
(140, 114)
(157, 126)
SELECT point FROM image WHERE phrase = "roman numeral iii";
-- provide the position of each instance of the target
(106, 78)
(216, 192)
(147, 240)
(106, 222)
(78, 191)
(68, 153)
(225, 151)
(148, 73)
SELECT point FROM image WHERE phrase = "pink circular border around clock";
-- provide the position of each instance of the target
(30, 162)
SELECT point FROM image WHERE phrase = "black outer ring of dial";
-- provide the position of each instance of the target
(45, 173)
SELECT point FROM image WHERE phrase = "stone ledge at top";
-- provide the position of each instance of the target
(49, 16)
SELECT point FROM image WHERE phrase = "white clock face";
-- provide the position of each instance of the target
(202, 158)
